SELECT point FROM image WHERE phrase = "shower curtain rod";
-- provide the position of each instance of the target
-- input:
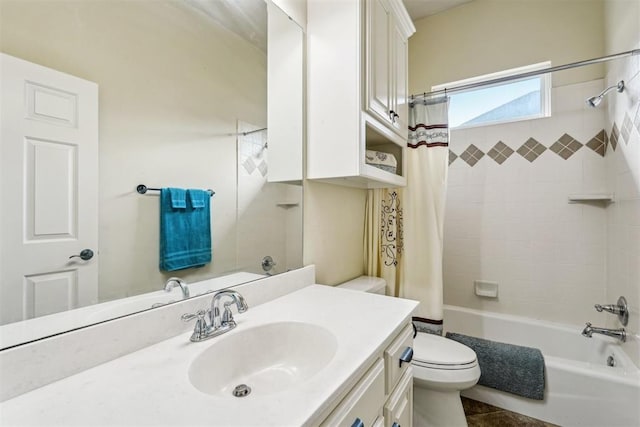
(524, 75)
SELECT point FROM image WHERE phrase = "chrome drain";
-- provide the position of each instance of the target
(241, 390)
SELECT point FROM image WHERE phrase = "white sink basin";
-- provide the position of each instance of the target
(269, 358)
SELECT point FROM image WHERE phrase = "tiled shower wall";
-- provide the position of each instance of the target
(508, 219)
(623, 217)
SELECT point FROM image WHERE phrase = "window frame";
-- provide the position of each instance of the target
(545, 91)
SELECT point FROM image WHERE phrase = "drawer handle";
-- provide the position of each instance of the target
(395, 425)
(406, 356)
(357, 423)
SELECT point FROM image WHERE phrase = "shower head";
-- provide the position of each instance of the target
(594, 101)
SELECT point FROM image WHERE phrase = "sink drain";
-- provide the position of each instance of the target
(241, 390)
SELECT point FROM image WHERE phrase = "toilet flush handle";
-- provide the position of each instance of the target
(406, 356)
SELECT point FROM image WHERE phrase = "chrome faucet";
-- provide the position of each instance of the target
(218, 323)
(589, 330)
(174, 282)
(226, 319)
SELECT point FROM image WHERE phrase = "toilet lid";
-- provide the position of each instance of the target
(436, 351)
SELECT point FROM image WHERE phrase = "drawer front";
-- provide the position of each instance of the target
(363, 404)
(393, 366)
(398, 412)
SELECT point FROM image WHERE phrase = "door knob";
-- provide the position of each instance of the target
(85, 255)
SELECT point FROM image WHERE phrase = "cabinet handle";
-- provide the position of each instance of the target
(392, 116)
(395, 425)
(357, 423)
(406, 356)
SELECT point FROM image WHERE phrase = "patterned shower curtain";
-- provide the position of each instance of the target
(424, 204)
(383, 237)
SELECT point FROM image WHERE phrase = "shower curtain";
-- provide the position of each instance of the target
(424, 204)
(383, 237)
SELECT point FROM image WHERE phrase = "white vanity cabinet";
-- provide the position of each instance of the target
(356, 90)
(383, 396)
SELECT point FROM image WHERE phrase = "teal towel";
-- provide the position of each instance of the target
(198, 198)
(178, 198)
(507, 367)
(185, 233)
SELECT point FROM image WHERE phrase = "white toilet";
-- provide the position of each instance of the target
(442, 368)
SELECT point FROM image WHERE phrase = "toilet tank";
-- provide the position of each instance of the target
(375, 285)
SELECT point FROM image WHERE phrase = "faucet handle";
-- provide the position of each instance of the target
(201, 329)
(620, 309)
(187, 317)
(227, 316)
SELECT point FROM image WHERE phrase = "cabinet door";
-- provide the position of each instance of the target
(399, 61)
(398, 412)
(362, 406)
(378, 70)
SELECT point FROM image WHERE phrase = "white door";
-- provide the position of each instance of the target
(48, 190)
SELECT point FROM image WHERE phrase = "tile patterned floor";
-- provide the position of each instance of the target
(483, 415)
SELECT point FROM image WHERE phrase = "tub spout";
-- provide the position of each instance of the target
(589, 330)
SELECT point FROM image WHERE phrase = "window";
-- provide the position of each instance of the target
(521, 99)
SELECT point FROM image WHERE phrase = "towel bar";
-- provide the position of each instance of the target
(142, 189)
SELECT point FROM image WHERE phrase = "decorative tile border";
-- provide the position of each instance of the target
(626, 129)
(613, 137)
(599, 143)
(471, 155)
(500, 152)
(531, 149)
(565, 147)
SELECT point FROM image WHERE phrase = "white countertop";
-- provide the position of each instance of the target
(152, 387)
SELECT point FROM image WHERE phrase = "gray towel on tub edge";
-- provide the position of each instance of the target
(507, 367)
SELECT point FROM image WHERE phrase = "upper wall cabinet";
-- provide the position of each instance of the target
(357, 92)
(386, 66)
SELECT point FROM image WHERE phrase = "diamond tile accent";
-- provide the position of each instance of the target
(249, 165)
(262, 167)
(613, 137)
(626, 128)
(599, 143)
(566, 146)
(531, 149)
(471, 155)
(500, 152)
(636, 120)
(452, 157)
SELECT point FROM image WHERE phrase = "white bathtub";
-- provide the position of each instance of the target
(581, 390)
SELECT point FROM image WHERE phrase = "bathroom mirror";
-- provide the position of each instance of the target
(182, 102)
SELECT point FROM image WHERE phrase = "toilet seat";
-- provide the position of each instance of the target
(436, 352)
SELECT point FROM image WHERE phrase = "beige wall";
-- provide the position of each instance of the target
(622, 25)
(171, 87)
(485, 36)
(334, 231)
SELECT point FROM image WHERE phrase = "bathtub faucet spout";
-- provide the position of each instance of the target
(589, 330)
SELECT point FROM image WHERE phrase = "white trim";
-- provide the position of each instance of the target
(492, 76)
(545, 91)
